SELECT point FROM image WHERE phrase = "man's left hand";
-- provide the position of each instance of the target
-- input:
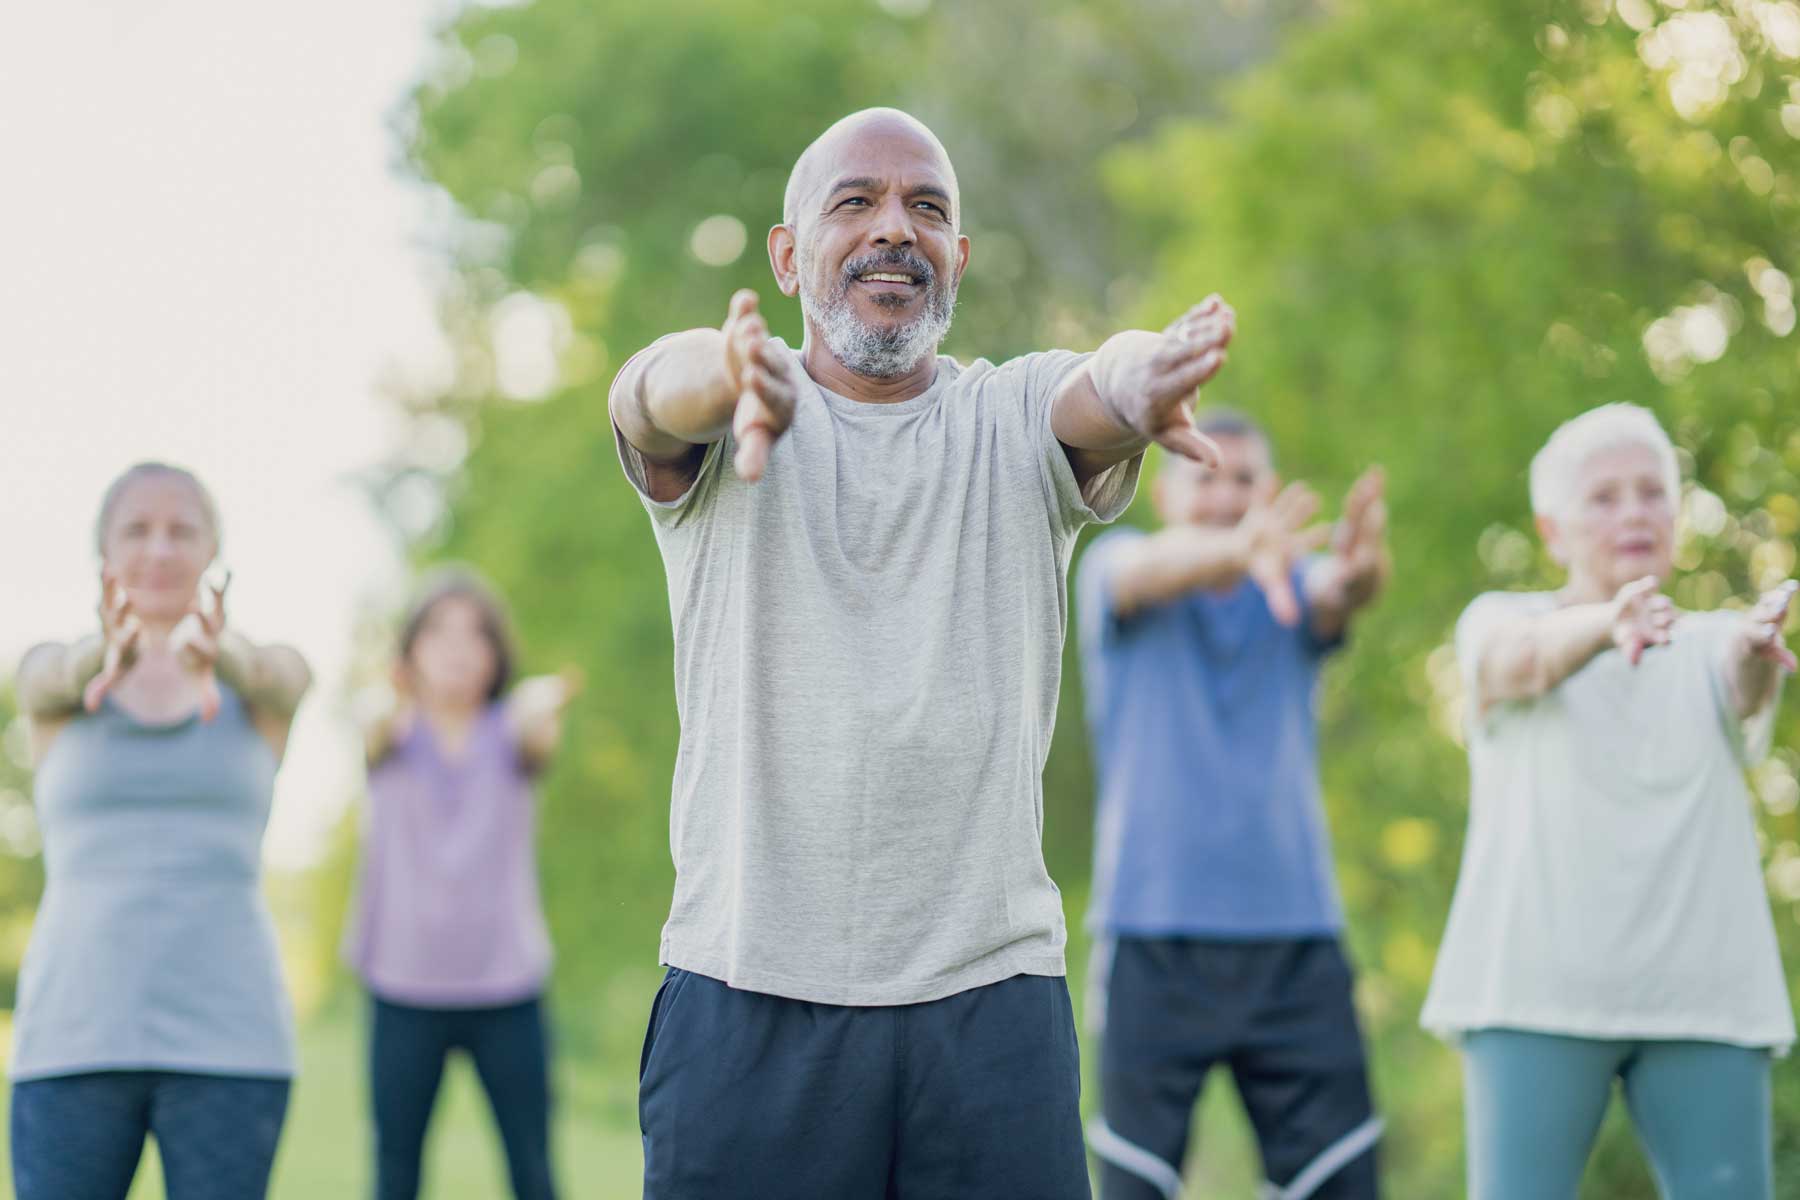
(1150, 385)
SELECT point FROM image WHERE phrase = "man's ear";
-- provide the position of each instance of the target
(1547, 529)
(782, 252)
(962, 255)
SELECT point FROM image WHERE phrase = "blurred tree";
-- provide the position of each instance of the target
(1447, 229)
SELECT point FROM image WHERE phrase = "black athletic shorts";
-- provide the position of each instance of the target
(1278, 1015)
(745, 1096)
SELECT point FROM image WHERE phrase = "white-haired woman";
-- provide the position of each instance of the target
(150, 999)
(1610, 920)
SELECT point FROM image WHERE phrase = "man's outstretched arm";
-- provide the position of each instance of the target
(1137, 389)
(1264, 545)
(685, 392)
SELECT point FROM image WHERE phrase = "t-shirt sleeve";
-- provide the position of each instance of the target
(1474, 629)
(691, 501)
(1751, 737)
(1109, 493)
(1097, 615)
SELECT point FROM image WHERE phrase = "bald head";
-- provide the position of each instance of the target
(833, 152)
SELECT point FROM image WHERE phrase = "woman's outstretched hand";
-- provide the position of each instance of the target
(195, 640)
(124, 634)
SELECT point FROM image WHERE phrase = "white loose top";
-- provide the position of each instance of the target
(1610, 884)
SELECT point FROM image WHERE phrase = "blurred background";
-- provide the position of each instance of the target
(369, 270)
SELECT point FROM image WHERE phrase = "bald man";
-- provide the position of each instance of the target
(866, 546)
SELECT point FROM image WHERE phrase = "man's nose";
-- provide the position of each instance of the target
(893, 224)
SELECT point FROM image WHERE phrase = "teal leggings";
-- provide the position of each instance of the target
(1534, 1103)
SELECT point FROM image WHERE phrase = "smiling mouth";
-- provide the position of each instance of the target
(887, 277)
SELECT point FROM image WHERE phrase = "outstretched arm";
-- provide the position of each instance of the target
(1137, 389)
(1264, 545)
(56, 681)
(534, 710)
(53, 676)
(1758, 658)
(270, 679)
(687, 391)
(1527, 658)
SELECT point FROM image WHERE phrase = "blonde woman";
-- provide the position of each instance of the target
(151, 999)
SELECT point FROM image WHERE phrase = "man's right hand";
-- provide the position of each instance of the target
(1276, 536)
(766, 379)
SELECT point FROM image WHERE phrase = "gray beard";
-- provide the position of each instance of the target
(876, 351)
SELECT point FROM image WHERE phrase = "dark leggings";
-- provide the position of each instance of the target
(407, 1049)
(79, 1137)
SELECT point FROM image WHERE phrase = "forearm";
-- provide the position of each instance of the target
(53, 676)
(1089, 423)
(675, 396)
(1528, 659)
(1751, 678)
(533, 712)
(271, 679)
(1331, 602)
(383, 729)
(1175, 561)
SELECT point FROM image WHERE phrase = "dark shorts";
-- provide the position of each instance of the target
(1278, 1015)
(744, 1095)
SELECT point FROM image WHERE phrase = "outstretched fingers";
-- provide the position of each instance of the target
(121, 640)
(1295, 505)
(1271, 575)
(750, 426)
(1768, 619)
(1181, 436)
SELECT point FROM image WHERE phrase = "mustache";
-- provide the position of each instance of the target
(897, 261)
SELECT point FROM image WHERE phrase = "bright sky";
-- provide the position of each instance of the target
(208, 259)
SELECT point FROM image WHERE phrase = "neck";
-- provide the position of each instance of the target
(451, 713)
(828, 372)
(1584, 588)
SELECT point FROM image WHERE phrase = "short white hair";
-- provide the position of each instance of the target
(1556, 469)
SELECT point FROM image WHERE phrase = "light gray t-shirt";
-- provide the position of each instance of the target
(868, 647)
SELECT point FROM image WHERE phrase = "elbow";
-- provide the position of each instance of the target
(36, 684)
(290, 677)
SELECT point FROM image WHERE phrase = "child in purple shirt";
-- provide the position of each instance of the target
(449, 932)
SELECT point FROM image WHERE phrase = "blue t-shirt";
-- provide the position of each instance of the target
(1202, 717)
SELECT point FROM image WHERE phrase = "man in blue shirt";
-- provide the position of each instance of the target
(1215, 912)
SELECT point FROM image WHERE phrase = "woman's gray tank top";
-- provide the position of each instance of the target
(153, 948)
